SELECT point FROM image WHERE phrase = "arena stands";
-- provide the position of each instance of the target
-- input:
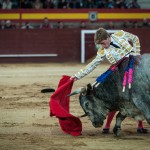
(73, 4)
(32, 11)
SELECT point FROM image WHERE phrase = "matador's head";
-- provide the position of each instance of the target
(100, 35)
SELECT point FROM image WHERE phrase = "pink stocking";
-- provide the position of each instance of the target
(140, 124)
(109, 119)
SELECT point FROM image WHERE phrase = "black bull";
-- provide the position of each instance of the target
(98, 101)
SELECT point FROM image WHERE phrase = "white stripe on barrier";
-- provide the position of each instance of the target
(28, 55)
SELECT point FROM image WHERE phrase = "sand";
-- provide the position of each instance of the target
(25, 123)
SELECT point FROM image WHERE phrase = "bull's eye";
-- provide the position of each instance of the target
(86, 105)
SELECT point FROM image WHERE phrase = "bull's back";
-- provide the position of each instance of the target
(145, 64)
(142, 70)
(111, 90)
(140, 91)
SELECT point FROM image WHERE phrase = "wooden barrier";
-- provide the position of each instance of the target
(51, 45)
(54, 45)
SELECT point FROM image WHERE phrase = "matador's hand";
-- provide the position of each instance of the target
(74, 78)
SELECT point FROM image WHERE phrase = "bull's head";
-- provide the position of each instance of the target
(93, 107)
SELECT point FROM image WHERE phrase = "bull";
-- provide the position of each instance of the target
(98, 101)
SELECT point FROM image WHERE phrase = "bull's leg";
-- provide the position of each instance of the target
(119, 119)
(141, 99)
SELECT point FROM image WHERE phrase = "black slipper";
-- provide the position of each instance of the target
(47, 90)
(105, 130)
(142, 130)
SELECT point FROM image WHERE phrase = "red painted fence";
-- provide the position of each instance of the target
(65, 43)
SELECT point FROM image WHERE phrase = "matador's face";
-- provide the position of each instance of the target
(105, 43)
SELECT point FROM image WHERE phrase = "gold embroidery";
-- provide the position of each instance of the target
(101, 52)
(120, 51)
(137, 44)
(119, 33)
(110, 58)
(138, 50)
(122, 54)
(127, 51)
(121, 42)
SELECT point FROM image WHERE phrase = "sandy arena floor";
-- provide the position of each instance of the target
(24, 113)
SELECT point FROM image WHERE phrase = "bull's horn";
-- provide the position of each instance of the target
(84, 115)
(80, 90)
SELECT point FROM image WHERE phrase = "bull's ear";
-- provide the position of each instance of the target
(89, 89)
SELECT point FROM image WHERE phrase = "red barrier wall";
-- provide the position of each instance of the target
(66, 43)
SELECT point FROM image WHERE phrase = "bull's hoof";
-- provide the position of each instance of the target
(142, 130)
(117, 131)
